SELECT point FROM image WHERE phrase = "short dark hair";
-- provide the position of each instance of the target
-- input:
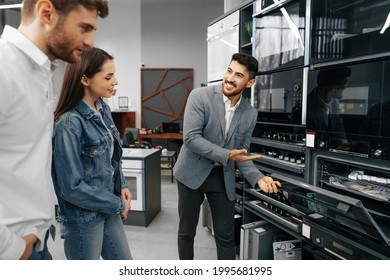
(329, 77)
(248, 61)
(64, 7)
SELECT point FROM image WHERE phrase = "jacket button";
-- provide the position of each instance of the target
(95, 152)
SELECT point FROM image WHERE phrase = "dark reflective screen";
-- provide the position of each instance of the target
(278, 96)
(349, 107)
(345, 28)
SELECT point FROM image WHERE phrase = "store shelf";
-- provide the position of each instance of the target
(298, 147)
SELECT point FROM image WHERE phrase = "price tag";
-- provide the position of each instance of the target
(310, 139)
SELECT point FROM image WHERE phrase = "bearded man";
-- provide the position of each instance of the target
(49, 30)
(217, 129)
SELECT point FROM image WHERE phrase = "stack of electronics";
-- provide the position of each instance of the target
(278, 208)
(337, 226)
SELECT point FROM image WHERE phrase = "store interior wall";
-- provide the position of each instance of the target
(153, 33)
(174, 33)
(120, 35)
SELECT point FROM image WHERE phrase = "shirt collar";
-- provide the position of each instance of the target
(87, 111)
(227, 103)
(99, 105)
(25, 45)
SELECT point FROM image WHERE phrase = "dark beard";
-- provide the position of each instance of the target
(59, 44)
(235, 93)
(61, 50)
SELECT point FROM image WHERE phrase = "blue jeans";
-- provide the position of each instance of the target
(106, 238)
(42, 255)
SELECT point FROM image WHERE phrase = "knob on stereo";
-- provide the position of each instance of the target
(297, 87)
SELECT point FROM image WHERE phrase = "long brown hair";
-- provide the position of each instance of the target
(72, 90)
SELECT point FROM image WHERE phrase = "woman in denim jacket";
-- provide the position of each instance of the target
(90, 186)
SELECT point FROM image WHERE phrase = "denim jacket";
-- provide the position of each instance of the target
(87, 181)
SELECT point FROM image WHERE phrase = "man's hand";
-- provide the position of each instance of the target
(268, 185)
(30, 240)
(126, 196)
(241, 155)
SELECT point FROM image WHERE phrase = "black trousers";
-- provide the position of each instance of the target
(222, 212)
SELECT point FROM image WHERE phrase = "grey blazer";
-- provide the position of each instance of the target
(204, 143)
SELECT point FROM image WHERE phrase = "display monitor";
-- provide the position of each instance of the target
(171, 127)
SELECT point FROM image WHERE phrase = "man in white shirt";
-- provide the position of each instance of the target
(49, 29)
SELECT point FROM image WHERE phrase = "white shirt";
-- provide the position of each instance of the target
(26, 125)
(229, 112)
(98, 112)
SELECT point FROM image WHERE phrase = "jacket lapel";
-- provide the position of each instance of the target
(220, 107)
(236, 118)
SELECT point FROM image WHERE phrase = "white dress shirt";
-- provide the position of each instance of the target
(26, 125)
(229, 112)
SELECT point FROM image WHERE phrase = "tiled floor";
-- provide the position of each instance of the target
(158, 240)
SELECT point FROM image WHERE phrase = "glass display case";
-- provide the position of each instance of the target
(279, 36)
(278, 96)
(345, 29)
(348, 109)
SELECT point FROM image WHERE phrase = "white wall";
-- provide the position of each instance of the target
(120, 35)
(156, 33)
(174, 34)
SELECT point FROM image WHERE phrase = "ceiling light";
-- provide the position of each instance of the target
(10, 6)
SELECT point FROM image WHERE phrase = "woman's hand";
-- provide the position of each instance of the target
(126, 196)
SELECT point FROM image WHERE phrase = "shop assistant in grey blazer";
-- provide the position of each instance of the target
(212, 151)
